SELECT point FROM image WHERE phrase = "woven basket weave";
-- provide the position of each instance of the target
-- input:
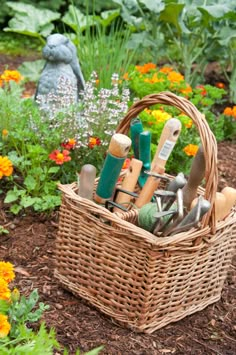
(143, 281)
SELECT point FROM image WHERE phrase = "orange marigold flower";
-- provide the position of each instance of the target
(6, 167)
(166, 70)
(11, 75)
(220, 85)
(126, 76)
(175, 77)
(5, 293)
(94, 141)
(1, 82)
(188, 124)
(191, 150)
(60, 157)
(228, 111)
(69, 144)
(5, 326)
(4, 133)
(143, 69)
(186, 90)
(7, 271)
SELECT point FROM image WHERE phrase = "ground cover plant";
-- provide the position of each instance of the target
(37, 151)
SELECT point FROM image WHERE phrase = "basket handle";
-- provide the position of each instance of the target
(208, 140)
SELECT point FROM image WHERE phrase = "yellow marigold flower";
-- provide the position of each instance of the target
(143, 69)
(5, 293)
(175, 77)
(15, 295)
(13, 75)
(191, 149)
(7, 271)
(5, 326)
(160, 116)
(6, 167)
(166, 70)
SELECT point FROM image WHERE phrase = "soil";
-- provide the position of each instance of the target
(30, 246)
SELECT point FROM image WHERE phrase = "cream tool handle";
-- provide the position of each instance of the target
(169, 136)
(167, 141)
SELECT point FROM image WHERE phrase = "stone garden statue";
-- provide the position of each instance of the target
(61, 79)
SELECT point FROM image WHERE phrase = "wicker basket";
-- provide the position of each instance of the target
(140, 280)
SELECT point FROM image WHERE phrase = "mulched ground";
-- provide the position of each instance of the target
(30, 247)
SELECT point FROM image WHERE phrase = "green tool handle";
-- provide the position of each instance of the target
(108, 178)
(145, 149)
(136, 128)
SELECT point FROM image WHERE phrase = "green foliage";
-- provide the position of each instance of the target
(147, 79)
(100, 50)
(29, 342)
(30, 21)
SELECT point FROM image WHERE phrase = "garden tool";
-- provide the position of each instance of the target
(193, 217)
(177, 183)
(144, 155)
(197, 173)
(117, 152)
(136, 128)
(167, 227)
(86, 181)
(224, 202)
(129, 183)
(167, 141)
(230, 195)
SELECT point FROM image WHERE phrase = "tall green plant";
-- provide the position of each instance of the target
(101, 42)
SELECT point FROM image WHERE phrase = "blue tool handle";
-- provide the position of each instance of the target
(136, 128)
(109, 176)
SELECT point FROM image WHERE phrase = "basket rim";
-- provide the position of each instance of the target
(69, 191)
(208, 141)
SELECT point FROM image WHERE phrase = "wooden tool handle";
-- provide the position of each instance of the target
(230, 200)
(148, 189)
(220, 206)
(169, 136)
(129, 182)
(119, 145)
(196, 175)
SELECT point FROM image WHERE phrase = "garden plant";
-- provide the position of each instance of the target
(127, 50)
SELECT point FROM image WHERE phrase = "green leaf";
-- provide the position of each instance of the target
(171, 14)
(16, 208)
(32, 70)
(11, 196)
(75, 19)
(226, 35)
(95, 351)
(30, 183)
(31, 21)
(214, 11)
(108, 16)
(27, 201)
(154, 6)
(53, 169)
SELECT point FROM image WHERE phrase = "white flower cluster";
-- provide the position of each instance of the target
(97, 113)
